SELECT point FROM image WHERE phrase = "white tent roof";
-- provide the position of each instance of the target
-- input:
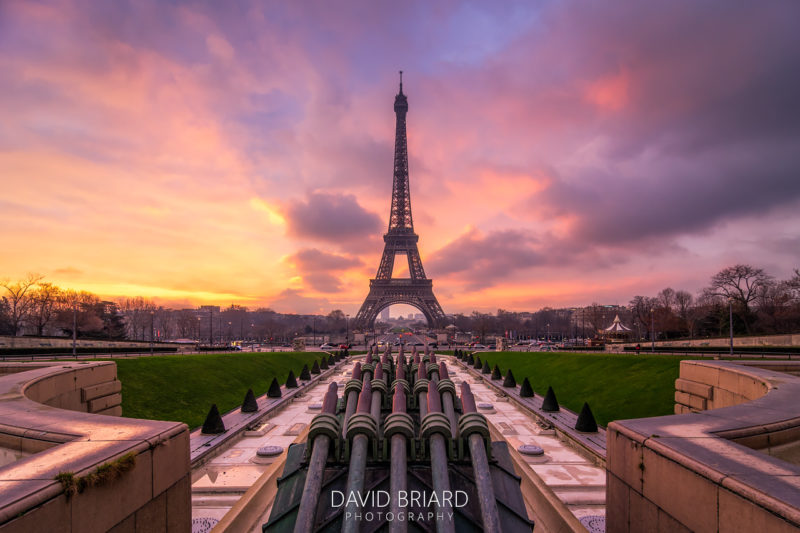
(617, 326)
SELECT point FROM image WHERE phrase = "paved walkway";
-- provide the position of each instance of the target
(219, 483)
(574, 478)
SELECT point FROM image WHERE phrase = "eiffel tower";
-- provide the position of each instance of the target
(416, 290)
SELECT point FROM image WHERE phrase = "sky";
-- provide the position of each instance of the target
(560, 153)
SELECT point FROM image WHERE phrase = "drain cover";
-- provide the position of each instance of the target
(269, 451)
(530, 449)
(204, 524)
(594, 523)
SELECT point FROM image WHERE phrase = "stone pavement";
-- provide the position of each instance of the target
(574, 477)
(219, 483)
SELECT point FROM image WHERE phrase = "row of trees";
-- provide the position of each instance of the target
(759, 303)
(35, 306)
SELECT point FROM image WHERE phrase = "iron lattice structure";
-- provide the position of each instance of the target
(416, 290)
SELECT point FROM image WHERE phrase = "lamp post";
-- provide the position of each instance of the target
(730, 321)
(152, 315)
(548, 332)
(653, 330)
(198, 329)
(75, 330)
(347, 330)
(210, 327)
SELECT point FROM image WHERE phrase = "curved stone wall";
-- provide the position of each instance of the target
(150, 493)
(711, 470)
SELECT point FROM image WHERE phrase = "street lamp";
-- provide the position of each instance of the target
(548, 332)
(730, 321)
(210, 327)
(653, 330)
(347, 330)
(152, 314)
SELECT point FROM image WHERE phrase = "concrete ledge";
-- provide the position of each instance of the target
(704, 470)
(205, 447)
(592, 445)
(77, 441)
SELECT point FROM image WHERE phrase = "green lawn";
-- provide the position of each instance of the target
(183, 387)
(616, 386)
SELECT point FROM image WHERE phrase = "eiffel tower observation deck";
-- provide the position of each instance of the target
(400, 239)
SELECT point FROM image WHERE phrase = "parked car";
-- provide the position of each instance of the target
(326, 346)
(478, 346)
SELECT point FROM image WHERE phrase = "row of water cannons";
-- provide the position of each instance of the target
(214, 423)
(349, 431)
(585, 423)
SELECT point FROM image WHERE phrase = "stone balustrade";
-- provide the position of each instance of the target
(728, 461)
(62, 419)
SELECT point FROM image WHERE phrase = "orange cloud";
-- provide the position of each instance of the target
(609, 93)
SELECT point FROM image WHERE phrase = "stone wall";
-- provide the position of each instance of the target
(701, 387)
(7, 341)
(722, 342)
(710, 471)
(151, 494)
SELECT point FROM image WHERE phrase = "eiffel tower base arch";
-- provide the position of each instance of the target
(416, 293)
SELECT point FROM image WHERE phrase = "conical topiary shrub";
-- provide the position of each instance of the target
(305, 375)
(496, 374)
(274, 389)
(315, 368)
(486, 368)
(477, 364)
(457, 353)
(510, 381)
(331, 361)
(586, 422)
(526, 391)
(470, 360)
(550, 403)
(249, 405)
(213, 423)
(323, 365)
(291, 381)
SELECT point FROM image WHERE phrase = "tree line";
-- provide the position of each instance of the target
(758, 303)
(33, 306)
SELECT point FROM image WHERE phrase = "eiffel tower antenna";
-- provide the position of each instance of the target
(417, 289)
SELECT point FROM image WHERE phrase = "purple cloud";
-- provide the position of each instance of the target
(333, 218)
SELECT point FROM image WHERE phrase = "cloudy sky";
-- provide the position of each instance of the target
(241, 152)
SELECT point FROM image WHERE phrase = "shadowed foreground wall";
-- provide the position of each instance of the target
(51, 411)
(711, 470)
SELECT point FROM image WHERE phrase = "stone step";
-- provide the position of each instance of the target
(582, 496)
(216, 500)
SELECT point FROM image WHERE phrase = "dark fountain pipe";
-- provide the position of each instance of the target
(473, 424)
(327, 428)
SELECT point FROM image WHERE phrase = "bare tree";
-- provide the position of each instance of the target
(740, 284)
(666, 298)
(77, 311)
(683, 302)
(45, 305)
(19, 299)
